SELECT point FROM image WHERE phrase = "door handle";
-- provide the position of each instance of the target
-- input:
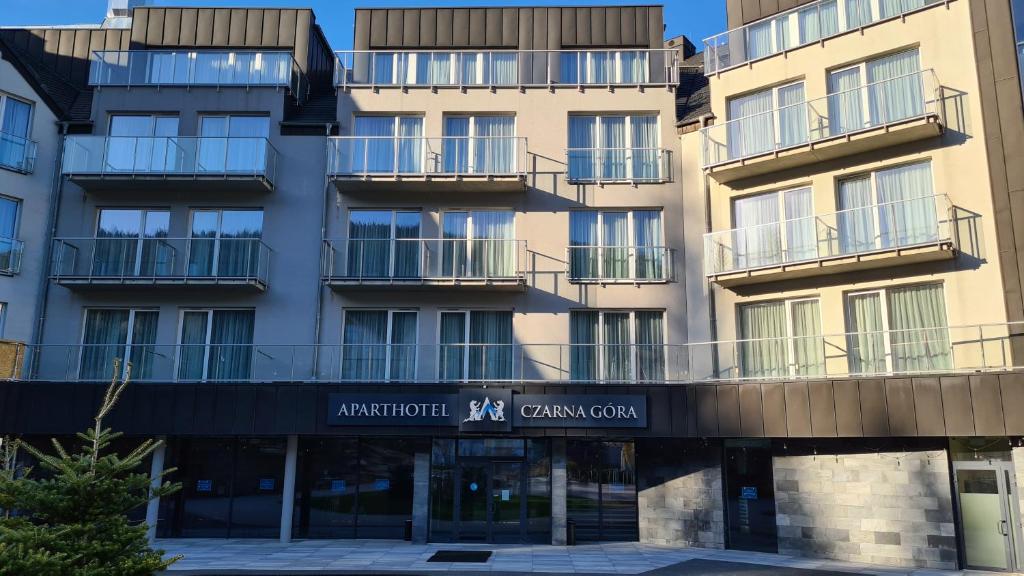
(1003, 527)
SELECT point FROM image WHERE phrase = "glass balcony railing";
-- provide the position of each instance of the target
(928, 220)
(905, 97)
(454, 156)
(170, 156)
(11, 251)
(928, 350)
(610, 264)
(161, 261)
(215, 68)
(17, 153)
(807, 24)
(507, 68)
(606, 165)
(418, 260)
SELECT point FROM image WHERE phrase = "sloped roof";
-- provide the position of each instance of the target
(67, 101)
(693, 98)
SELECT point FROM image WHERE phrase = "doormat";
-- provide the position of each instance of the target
(460, 556)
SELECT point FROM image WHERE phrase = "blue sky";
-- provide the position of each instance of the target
(697, 19)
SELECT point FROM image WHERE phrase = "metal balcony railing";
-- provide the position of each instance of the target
(898, 99)
(609, 165)
(935, 351)
(806, 24)
(170, 156)
(924, 221)
(11, 252)
(161, 261)
(506, 68)
(400, 156)
(626, 264)
(17, 153)
(417, 260)
(214, 68)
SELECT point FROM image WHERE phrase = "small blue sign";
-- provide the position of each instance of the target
(337, 485)
(748, 492)
(204, 485)
(473, 487)
(381, 484)
(266, 483)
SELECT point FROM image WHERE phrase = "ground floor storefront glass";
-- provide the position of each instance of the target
(601, 500)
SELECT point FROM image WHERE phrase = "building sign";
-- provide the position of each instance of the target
(489, 410)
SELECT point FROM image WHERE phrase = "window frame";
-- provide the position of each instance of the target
(139, 238)
(628, 148)
(863, 88)
(206, 338)
(791, 366)
(467, 313)
(126, 346)
(471, 137)
(219, 210)
(631, 247)
(600, 345)
(4, 97)
(782, 222)
(387, 344)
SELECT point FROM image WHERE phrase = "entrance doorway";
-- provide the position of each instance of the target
(489, 501)
(750, 496)
(988, 515)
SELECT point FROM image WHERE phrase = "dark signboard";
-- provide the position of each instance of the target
(485, 410)
(391, 410)
(579, 411)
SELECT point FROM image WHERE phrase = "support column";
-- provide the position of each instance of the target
(288, 488)
(156, 468)
(420, 497)
(559, 483)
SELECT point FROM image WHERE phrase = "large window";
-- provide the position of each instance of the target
(388, 144)
(887, 209)
(766, 120)
(379, 345)
(233, 144)
(617, 245)
(475, 345)
(601, 490)
(10, 251)
(479, 244)
(774, 228)
(15, 129)
(124, 333)
(898, 330)
(617, 345)
(614, 147)
(225, 243)
(216, 345)
(139, 143)
(875, 92)
(780, 339)
(383, 244)
(479, 145)
(445, 68)
(603, 67)
(130, 242)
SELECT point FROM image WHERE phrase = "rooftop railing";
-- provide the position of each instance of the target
(161, 261)
(17, 153)
(170, 156)
(414, 156)
(806, 24)
(928, 220)
(609, 165)
(418, 260)
(926, 350)
(899, 99)
(211, 68)
(506, 68)
(622, 264)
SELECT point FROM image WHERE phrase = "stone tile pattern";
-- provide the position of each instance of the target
(680, 495)
(888, 508)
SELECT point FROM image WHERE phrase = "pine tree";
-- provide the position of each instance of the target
(74, 523)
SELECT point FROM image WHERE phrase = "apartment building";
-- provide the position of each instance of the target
(534, 274)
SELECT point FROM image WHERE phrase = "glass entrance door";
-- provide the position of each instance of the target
(489, 502)
(988, 513)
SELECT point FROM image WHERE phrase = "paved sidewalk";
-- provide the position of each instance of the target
(362, 557)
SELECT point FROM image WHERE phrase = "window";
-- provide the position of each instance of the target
(387, 144)
(216, 345)
(139, 143)
(888, 208)
(479, 145)
(876, 92)
(479, 244)
(617, 346)
(614, 147)
(225, 243)
(781, 338)
(774, 228)
(898, 330)
(613, 245)
(15, 129)
(603, 67)
(233, 144)
(124, 333)
(379, 345)
(131, 242)
(446, 68)
(475, 345)
(384, 244)
(10, 247)
(766, 120)
(601, 490)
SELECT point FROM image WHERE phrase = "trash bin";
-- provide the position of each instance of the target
(570, 533)
(408, 531)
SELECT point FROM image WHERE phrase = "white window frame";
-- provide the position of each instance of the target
(628, 148)
(391, 234)
(470, 233)
(126, 345)
(783, 221)
(206, 339)
(600, 344)
(139, 238)
(387, 344)
(876, 206)
(4, 97)
(467, 313)
(471, 137)
(790, 336)
(395, 138)
(215, 261)
(631, 247)
(775, 109)
(862, 75)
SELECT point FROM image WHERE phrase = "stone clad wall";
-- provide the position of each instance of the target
(890, 508)
(679, 487)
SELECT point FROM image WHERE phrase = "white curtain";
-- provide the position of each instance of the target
(582, 144)
(247, 143)
(891, 8)
(470, 64)
(14, 132)
(8, 227)
(617, 347)
(801, 228)
(505, 68)
(494, 145)
(490, 351)
(452, 353)
(568, 67)
(433, 68)
(917, 322)
(845, 102)
(808, 345)
(856, 218)
(819, 21)
(583, 336)
(455, 150)
(858, 13)
(583, 239)
(373, 149)
(402, 351)
(907, 213)
(599, 67)
(896, 91)
(612, 132)
(455, 244)
(493, 250)
(792, 115)
(410, 144)
(751, 124)
(650, 254)
(763, 346)
(759, 40)
(644, 132)
(866, 341)
(634, 66)
(615, 244)
(364, 344)
(758, 238)
(383, 68)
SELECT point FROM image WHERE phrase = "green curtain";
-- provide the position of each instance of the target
(369, 244)
(907, 213)
(583, 331)
(364, 345)
(493, 250)
(407, 245)
(402, 352)
(143, 352)
(192, 352)
(615, 245)
(202, 243)
(650, 251)
(616, 348)
(494, 147)
(231, 345)
(455, 234)
(866, 341)
(808, 345)
(453, 350)
(490, 351)
(644, 129)
(238, 250)
(896, 89)
(763, 346)
(104, 338)
(582, 245)
(758, 234)
(650, 346)
(613, 143)
(801, 227)
(919, 337)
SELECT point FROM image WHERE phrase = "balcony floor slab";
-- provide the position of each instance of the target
(92, 284)
(234, 183)
(379, 184)
(492, 285)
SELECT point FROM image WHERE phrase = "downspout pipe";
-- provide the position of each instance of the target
(323, 235)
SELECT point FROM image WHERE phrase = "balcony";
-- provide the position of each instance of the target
(808, 24)
(620, 264)
(926, 351)
(147, 263)
(196, 68)
(874, 116)
(17, 153)
(417, 263)
(175, 163)
(877, 236)
(382, 164)
(506, 68)
(618, 165)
